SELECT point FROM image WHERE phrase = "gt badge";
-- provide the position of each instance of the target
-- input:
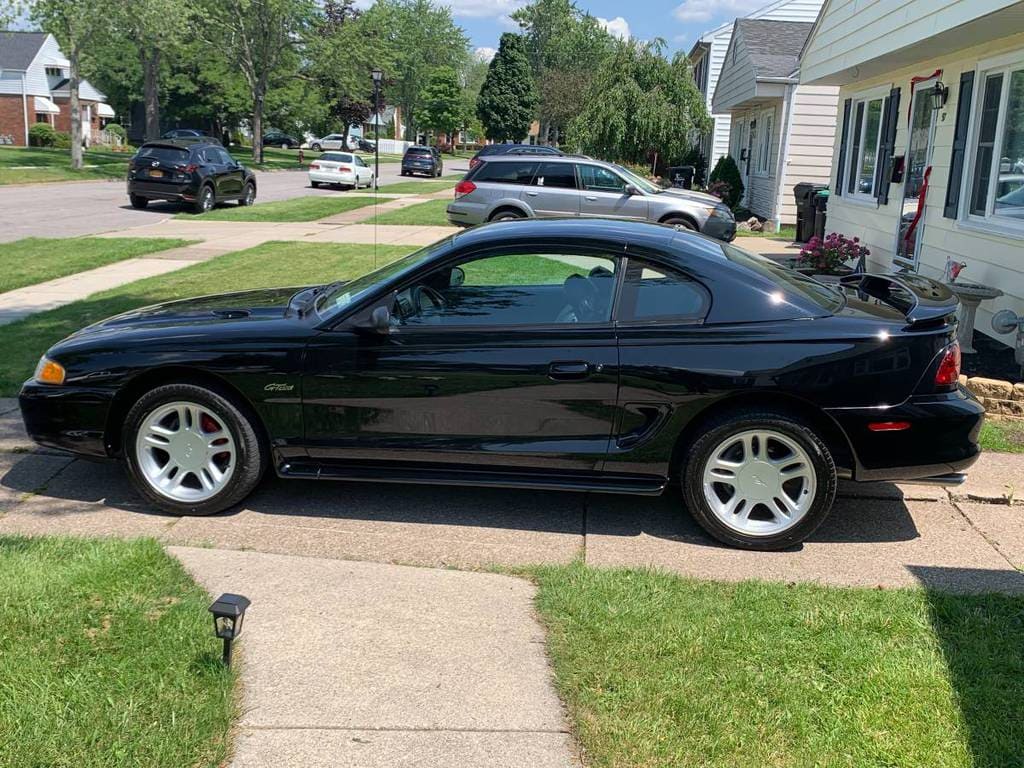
(279, 388)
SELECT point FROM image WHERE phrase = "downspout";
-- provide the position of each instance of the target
(24, 102)
(780, 170)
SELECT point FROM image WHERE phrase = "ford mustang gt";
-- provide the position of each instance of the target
(590, 355)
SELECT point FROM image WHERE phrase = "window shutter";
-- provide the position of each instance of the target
(842, 147)
(887, 145)
(956, 160)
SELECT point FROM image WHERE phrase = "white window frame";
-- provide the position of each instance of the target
(853, 163)
(762, 165)
(989, 223)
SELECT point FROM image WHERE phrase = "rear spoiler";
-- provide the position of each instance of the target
(920, 299)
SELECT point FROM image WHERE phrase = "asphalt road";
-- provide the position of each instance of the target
(67, 209)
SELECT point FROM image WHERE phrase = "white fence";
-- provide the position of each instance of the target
(392, 146)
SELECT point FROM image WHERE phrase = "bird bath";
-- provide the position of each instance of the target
(970, 295)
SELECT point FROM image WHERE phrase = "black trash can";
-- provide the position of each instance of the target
(804, 193)
(681, 176)
(820, 207)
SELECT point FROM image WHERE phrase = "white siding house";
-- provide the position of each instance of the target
(708, 56)
(781, 131)
(929, 151)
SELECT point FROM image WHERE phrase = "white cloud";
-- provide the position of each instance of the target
(485, 53)
(705, 10)
(617, 27)
(483, 8)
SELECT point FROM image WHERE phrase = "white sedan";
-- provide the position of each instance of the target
(334, 141)
(342, 168)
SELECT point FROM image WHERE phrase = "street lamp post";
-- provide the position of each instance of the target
(377, 76)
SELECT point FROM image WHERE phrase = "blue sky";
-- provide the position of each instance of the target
(679, 22)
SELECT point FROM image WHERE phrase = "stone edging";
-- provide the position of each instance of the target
(999, 397)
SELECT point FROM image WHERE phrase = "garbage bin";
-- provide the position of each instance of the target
(820, 206)
(681, 176)
(804, 193)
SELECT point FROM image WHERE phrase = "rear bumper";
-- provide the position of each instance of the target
(152, 190)
(942, 439)
(464, 214)
(66, 417)
(428, 170)
(329, 177)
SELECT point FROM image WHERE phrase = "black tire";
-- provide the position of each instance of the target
(138, 202)
(248, 195)
(315, 184)
(251, 458)
(285, 145)
(402, 173)
(714, 433)
(317, 148)
(507, 214)
(205, 200)
(680, 222)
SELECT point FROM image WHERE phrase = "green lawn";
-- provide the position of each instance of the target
(309, 208)
(108, 659)
(37, 259)
(270, 264)
(1002, 435)
(784, 233)
(429, 214)
(276, 159)
(662, 671)
(27, 165)
(419, 187)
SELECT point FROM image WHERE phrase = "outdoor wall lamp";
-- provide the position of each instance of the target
(940, 93)
(228, 611)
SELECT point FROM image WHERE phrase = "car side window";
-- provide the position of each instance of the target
(224, 158)
(659, 294)
(359, 162)
(557, 175)
(506, 173)
(598, 179)
(509, 289)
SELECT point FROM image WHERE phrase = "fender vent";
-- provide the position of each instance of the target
(231, 314)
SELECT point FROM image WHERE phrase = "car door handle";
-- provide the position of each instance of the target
(591, 198)
(532, 194)
(567, 371)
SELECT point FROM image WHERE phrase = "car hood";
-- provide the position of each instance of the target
(691, 195)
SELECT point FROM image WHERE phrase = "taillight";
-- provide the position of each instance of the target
(464, 188)
(344, 169)
(191, 168)
(948, 373)
(314, 167)
(473, 163)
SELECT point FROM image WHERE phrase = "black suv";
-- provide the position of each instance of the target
(280, 139)
(198, 173)
(425, 160)
(511, 149)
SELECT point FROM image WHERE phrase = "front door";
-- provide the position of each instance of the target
(507, 362)
(231, 174)
(910, 227)
(604, 194)
(554, 191)
(749, 150)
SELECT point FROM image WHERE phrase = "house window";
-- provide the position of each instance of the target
(764, 148)
(866, 116)
(997, 177)
(54, 71)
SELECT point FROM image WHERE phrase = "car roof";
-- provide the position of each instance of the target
(544, 157)
(184, 142)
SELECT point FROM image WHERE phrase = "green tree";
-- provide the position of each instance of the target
(728, 173)
(441, 104)
(508, 97)
(639, 103)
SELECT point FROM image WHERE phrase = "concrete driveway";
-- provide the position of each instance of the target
(67, 209)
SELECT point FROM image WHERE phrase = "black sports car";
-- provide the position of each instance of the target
(583, 355)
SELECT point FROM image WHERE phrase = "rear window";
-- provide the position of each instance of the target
(506, 173)
(788, 279)
(336, 157)
(164, 154)
(414, 151)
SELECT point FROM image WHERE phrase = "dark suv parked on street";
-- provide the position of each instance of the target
(198, 173)
(491, 150)
(426, 160)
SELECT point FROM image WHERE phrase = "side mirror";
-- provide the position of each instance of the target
(379, 322)
(458, 277)
(631, 190)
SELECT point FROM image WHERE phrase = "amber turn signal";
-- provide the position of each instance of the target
(49, 372)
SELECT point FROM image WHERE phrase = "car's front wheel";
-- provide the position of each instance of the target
(680, 223)
(249, 196)
(317, 148)
(759, 479)
(191, 451)
(285, 145)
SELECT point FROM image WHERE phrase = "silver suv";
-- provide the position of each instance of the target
(539, 187)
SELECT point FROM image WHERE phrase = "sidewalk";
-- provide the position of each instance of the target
(362, 664)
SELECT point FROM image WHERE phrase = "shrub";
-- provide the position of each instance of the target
(42, 135)
(726, 170)
(700, 165)
(116, 130)
(719, 189)
(61, 140)
(830, 256)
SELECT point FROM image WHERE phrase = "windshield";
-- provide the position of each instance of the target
(342, 295)
(829, 299)
(638, 181)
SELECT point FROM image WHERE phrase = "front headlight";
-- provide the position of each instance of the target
(49, 371)
(721, 212)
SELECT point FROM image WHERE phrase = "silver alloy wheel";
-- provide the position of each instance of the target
(759, 482)
(185, 452)
(206, 201)
(250, 194)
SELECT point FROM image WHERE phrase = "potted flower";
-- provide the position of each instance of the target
(830, 256)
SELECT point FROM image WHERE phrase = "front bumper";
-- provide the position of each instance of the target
(66, 417)
(942, 438)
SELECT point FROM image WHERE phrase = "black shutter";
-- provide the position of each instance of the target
(956, 160)
(887, 145)
(842, 147)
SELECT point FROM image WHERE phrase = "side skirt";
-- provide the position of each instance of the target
(635, 485)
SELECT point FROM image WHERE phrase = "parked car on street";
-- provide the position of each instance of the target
(279, 139)
(331, 141)
(197, 172)
(582, 355)
(494, 150)
(340, 168)
(424, 160)
(185, 133)
(511, 187)
(365, 145)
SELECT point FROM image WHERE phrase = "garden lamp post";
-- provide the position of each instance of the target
(377, 76)
(228, 611)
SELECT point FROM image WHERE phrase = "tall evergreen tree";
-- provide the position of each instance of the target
(508, 98)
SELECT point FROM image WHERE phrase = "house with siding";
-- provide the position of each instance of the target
(782, 131)
(929, 150)
(34, 89)
(708, 55)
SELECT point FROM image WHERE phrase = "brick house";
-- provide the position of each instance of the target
(34, 89)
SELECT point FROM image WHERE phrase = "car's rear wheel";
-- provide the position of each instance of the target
(138, 202)
(205, 200)
(680, 223)
(249, 196)
(285, 145)
(507, 215)
(317, 148)
(191, 451)
(314, 184)
(759, 479)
